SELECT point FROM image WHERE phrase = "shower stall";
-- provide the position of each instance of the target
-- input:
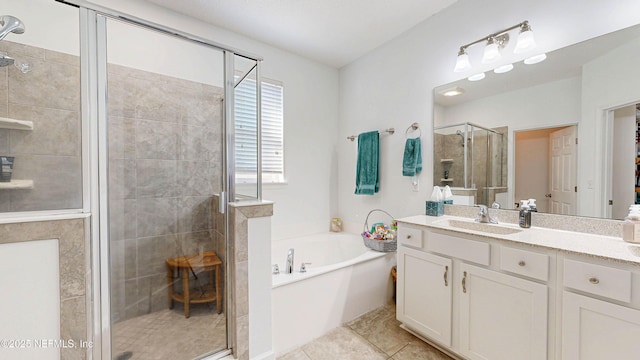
(472, 160)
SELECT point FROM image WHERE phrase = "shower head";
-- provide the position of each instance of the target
(10, 24)
(459, 133)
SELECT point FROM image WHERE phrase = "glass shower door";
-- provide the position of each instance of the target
(165, 166)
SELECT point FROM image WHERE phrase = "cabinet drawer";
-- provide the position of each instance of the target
(410, 237)
(598, 280)
(465, 249)
(527, 263)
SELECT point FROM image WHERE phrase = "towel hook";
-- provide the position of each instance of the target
(413, 127)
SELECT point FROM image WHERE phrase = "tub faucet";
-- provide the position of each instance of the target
(289, 266)
(484, 216)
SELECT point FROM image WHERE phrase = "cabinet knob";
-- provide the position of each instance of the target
(521, 263)
(594, 280)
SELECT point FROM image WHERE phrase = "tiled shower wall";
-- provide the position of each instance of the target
(165, 154)
(49, 96)
(165, 141)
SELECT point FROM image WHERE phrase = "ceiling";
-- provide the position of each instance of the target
(333, 32)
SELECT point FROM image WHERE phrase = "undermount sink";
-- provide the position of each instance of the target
(482, 227)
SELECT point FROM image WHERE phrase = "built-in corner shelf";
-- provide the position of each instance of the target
(446, 161)
(16, 185)
(6, 123)
(446, 180)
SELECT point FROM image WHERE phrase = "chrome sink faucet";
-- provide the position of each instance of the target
(289, 266)
(484, 216)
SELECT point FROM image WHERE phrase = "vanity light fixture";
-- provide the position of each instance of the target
(503, 69)
(476, 77)
(535, 59)
(494, 43)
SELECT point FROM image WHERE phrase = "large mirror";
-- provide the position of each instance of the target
(563, 131)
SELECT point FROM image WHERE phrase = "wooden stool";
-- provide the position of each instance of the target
(207, 261)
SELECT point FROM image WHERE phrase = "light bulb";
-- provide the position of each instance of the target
(491, 52)
(525, 41)
(462, 62)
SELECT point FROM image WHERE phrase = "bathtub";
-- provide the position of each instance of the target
(343, 281)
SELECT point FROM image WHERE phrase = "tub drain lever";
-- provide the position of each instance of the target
(276, 270)
(303, 266)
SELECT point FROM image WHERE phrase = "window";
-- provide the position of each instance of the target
(272, 131)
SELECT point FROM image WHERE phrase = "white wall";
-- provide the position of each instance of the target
(392, 86)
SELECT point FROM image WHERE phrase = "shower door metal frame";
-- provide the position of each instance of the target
(93, 63)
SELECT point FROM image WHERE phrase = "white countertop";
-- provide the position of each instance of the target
(605, 247)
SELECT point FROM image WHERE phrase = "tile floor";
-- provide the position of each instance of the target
(167, 334)
(375, 335)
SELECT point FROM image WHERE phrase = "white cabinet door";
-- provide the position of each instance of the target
(501, 316)
(424, 293)
(595, 329)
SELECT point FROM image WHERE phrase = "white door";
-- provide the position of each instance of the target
(424, 293)
(562, 175)
(594, 329)
(501, 316)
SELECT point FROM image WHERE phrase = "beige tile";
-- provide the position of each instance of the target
(55, 132)
(343, 344)
(381, 328)
(57, 183)
(156, 178)
(419, 350)
(296, 354)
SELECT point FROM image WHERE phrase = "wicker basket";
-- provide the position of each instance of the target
(378, 245)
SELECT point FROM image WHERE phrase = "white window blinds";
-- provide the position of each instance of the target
(272, 130)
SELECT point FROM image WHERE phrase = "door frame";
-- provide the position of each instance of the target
(606, 190)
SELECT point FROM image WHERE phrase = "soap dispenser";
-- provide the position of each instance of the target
(532, 205)
(525, 214)
(631, 225)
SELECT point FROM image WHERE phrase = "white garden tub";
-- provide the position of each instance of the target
(343, 281)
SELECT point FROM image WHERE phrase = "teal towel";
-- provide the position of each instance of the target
(412, 160)
(367, 181)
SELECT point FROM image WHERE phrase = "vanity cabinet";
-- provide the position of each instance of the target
(452, 293)
(501, 316)
(424, 293)
(600, 322)
(531, 294)
(593, 329)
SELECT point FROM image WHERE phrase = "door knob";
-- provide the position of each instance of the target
(547, 195)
